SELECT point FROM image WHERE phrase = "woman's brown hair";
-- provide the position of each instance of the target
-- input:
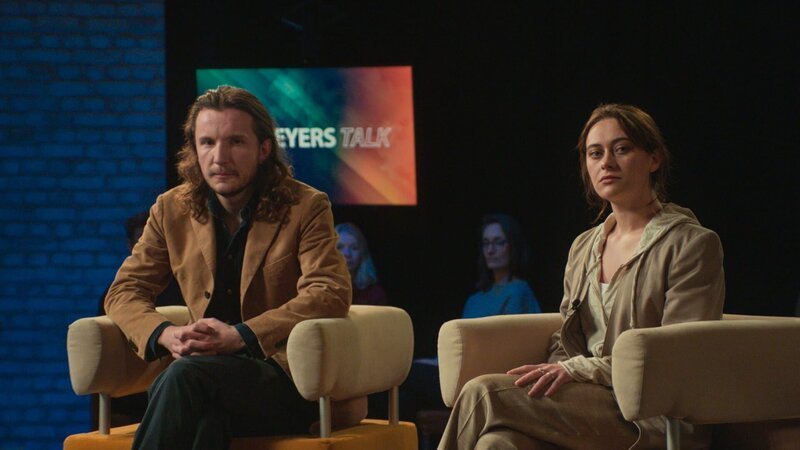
(642, 130)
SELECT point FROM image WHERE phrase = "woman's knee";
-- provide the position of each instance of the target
(484, 384)
(504, 438)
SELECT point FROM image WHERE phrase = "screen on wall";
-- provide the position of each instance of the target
(348, 131)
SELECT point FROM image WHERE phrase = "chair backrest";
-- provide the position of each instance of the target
(368, 351)
(472, 347)
(101, 360)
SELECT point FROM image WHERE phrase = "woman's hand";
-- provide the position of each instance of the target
(547, 378)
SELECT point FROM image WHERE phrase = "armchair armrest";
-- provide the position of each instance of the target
(472, 347)
(101, 361)
(710, 372)
(368, 351)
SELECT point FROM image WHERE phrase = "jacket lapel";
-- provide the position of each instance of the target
(207, 242)
(259, 239)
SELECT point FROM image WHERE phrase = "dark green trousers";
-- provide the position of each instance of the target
(201, 402)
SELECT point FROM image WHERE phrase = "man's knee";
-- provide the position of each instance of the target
(184, 373)
(180, 368)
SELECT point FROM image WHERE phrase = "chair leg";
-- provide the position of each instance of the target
(673, 433)
(325, 417)
(104, 413)
(394, 405)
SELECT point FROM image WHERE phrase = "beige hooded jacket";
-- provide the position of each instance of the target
(675, 276)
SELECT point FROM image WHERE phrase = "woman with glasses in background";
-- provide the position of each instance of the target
(501, 264)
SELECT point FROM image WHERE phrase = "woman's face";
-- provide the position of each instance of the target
(348, 245)
(495, 247)
(619, 169)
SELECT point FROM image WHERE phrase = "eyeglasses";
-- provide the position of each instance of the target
(499, 243)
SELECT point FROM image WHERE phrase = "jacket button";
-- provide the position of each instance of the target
(207, 295)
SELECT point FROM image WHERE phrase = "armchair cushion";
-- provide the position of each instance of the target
(101, 360)
(369, 434)
(472, 347)
(710, 372)
(369, 351)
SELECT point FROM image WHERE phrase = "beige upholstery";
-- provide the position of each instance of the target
(739, 370)
(472, 347)
(369, 351)
(710, 372)
(101, 360)
(330, 359)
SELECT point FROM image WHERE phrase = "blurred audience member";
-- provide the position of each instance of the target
(502, 262)
(353, 245)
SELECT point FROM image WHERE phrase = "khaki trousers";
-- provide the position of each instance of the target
(492, 413)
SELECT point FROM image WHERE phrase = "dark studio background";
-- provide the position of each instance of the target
(92, 96)
(501, 93)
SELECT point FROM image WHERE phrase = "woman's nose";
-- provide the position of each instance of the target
(608, 160)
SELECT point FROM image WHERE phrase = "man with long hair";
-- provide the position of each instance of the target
(254, 253)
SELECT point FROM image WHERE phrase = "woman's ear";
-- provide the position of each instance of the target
(655, 160)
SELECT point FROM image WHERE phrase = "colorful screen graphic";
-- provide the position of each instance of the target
(348, 131)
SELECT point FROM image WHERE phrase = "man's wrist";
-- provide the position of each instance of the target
(154, 348)
(251, 345)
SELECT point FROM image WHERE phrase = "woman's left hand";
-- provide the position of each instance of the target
(547, 378)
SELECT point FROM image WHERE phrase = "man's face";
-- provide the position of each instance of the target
(228, 151)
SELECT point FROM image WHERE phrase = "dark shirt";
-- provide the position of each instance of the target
(371, 295)
(224, 303)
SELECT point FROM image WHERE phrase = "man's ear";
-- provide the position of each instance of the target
(265, 150)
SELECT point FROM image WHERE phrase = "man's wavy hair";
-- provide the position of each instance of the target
(642, 130)
(274, 194)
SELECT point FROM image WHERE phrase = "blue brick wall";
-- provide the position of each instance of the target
(82, 147)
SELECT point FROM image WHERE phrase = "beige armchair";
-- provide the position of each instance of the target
(740, 373)
(333, 361)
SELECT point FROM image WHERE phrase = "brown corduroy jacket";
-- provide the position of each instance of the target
(291, 271)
